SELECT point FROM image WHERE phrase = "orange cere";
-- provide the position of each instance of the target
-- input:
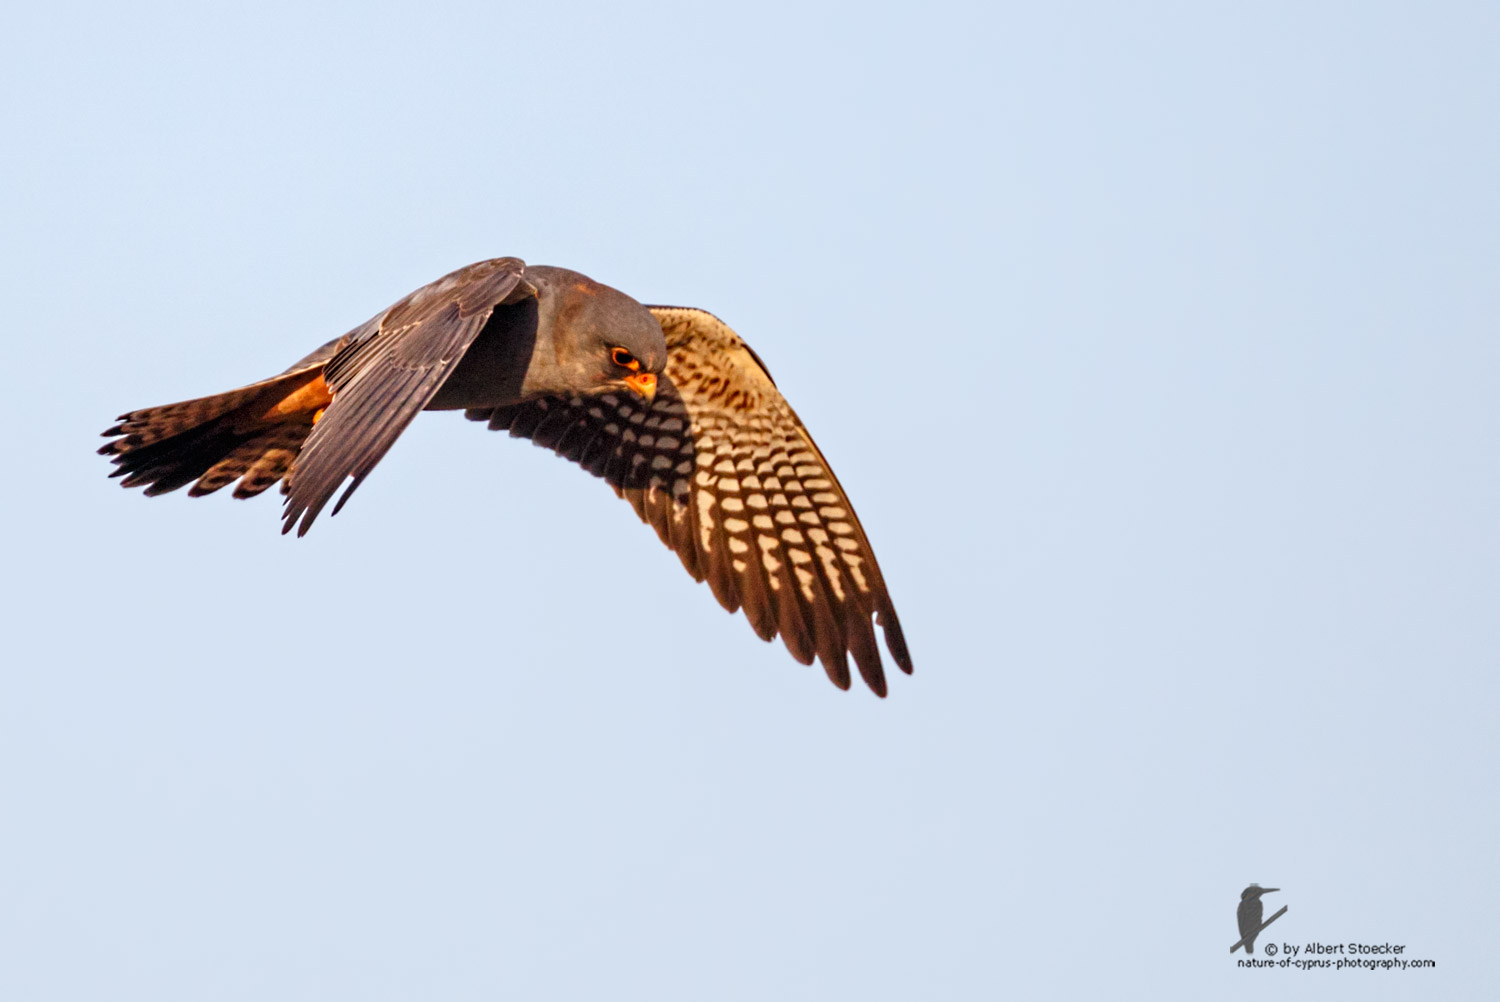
(643, 383)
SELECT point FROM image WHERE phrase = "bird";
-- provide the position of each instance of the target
(666, 403)
(1249, 913)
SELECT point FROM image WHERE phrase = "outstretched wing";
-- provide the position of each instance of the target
(385, 372)
(723, 469)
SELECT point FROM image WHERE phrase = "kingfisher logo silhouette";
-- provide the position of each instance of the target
(1249, 915)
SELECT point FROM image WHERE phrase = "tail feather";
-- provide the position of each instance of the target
(155, 424)
(213, 441)
(170, 463)
(257, 462)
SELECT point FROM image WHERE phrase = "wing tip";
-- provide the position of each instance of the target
(895, 640)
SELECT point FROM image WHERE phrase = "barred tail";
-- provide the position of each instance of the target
(252, 435)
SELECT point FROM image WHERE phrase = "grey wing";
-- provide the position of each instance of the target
(385, 372)
(723, 469)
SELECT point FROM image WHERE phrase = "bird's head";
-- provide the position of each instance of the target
(594, 339)
(1255, 891)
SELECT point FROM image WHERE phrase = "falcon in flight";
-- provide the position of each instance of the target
(666, 403)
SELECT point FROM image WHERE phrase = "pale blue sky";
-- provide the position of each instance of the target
(1156, 344)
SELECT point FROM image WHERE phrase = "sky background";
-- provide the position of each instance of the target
(1156, 344)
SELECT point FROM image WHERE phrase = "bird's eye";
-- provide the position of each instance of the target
(623, 358)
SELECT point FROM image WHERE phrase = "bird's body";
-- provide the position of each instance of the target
(666, 403)
(1250, 913)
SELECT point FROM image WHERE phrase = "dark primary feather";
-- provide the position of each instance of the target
(724, 471)
(385, 373)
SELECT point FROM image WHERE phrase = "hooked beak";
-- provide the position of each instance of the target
(642, 384)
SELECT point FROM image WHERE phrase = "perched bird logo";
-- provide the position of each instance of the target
(666, 403)
(1249, 915)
